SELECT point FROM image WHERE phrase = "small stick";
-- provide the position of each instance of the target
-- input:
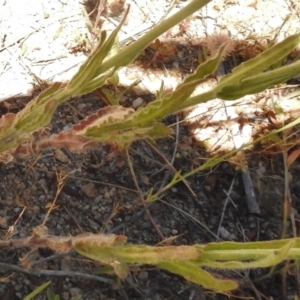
(56, 273)
(252, 204)
(225, 205)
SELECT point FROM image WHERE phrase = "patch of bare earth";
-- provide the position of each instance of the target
(100, 194)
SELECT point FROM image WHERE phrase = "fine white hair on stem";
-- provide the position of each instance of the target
(215, 41)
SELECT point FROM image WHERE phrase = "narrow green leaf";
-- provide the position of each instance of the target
(271, 245)
(274, 258)
(126, 137)
(31, 120)
(170, 103)
(176, 178)
(45, 95)
(259, 82)
(206, 68)
(137, 254)
(231, 251)
(230, 84)
(85, 72)
(51, 295)
(129, 53)
(107, 46)
(192, 272)
(111, 99)
(37, 291)
(95, 83)
(261, 62)
(201, 98)
(160, 108)
(91, 68)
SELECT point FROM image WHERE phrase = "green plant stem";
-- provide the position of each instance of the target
(244, 251)
(243, 255)
(124, 57)
(201, 98)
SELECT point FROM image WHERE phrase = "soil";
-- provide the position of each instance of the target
(97, 192)
(99, 195)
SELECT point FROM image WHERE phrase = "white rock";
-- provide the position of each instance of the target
(59, 155)
(137, 102)
(224, 233)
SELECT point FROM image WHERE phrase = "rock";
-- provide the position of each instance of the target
(59, 155)
(137, 102)
(66, 295)
(174, 231)
(3, 222)
(224, 233)
(89, 190)
(74, 291)
(143, 275)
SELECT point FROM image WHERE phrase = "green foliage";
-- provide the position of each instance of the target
(250, 78)
(196, 263)
(192, 272)
(50, 294)
(115, 124)
(188, 261)
(111, 127)
(100, 67)
(37, 290)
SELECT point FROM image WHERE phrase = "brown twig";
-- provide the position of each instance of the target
(161, 236)
(171, 168)
(55, 273)
(288, 211)
(61, 179)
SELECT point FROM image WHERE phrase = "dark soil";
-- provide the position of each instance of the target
(100, 196)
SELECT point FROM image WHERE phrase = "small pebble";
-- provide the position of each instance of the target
(232, 236)
(66, 295)
(98, 199)
(3, 222)
(86, 208)
(137, 102)
(18, 287)
(61, 156)
(123, 99)
(107, 195)
(74, 291)
(224, 233)
(89, 190)
(166, 231)
(143, 275)
(67, 127)
(81, 106)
